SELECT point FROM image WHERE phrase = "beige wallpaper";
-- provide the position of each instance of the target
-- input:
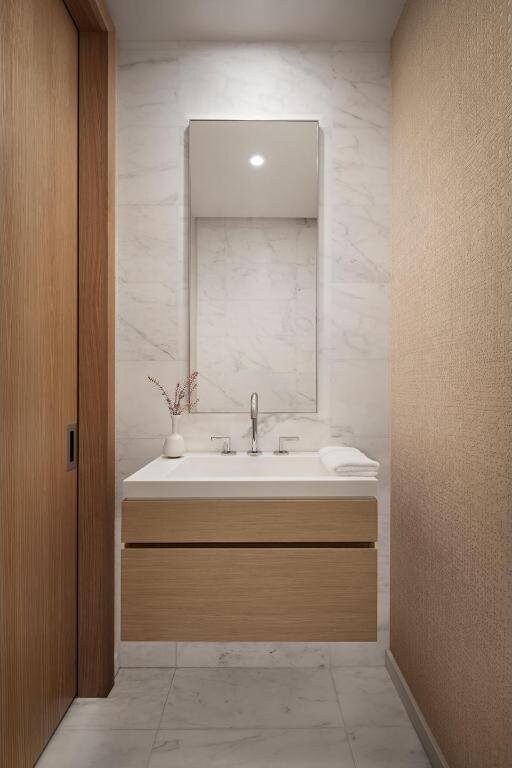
(451, 379)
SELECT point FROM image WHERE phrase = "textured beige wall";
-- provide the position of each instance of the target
(451, 381)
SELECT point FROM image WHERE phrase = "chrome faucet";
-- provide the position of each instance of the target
(254, 420)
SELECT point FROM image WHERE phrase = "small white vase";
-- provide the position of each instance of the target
(174, 445)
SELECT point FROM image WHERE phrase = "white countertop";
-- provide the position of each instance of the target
(213, 475)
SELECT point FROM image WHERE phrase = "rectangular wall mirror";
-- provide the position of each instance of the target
(253, 263)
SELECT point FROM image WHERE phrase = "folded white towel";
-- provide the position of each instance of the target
(348, 462)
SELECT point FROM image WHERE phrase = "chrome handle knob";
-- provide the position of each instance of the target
(282, 440)
(226, 446)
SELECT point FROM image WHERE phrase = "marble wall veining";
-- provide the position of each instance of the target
(254, 313)
(346, 88)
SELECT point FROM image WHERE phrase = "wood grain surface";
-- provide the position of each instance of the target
(250, 520)
(249, 594)
(38, 373)
(96, 363)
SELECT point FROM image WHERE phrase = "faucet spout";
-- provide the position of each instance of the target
(254, 422)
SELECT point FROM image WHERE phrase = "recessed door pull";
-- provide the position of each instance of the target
(72, 446)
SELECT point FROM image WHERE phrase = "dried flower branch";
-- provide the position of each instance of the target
(183, 392)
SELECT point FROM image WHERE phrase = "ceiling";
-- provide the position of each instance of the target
(255, 20)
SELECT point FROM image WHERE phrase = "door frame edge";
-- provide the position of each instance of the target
(96, 345)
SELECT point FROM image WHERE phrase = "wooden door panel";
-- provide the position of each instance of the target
(38, 373)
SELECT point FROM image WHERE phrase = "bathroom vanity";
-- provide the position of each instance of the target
(244, 548)
(259, 547)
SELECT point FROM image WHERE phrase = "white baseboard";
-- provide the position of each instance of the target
(425, 735)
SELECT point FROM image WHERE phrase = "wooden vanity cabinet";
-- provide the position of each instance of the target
(249, 569)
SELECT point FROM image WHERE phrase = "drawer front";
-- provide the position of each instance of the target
(225, 521)
(249, 593)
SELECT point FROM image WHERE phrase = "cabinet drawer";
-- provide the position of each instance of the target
(225, 521)
(249, 593)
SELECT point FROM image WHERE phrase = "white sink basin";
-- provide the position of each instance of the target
(207, 475)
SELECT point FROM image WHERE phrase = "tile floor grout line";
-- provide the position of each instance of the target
(343, 719)
(274, 668)
(258, 666)
(161, 716)
(329, 665)
(224, 728)
(85, 729)
(244, 666)
(249, 669)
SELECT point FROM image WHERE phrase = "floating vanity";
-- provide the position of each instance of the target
(245, 548)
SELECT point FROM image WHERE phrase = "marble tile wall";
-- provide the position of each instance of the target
(344, 86)
(255, 313)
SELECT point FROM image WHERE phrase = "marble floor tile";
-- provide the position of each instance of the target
(97, 749)
(359, 654)
(135, 702)
(227, 718)
(147, 654)
(253, 655)
(251, 698)
(294, 748)
(368, 697)
(391, 747)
